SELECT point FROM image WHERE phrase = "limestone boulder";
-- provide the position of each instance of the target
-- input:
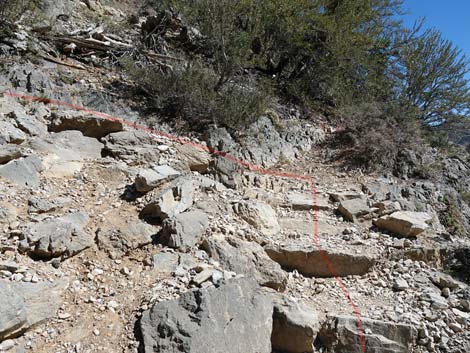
(118, 242)
(353, 209)
(304, 201)
(340, 334)
(56, 237)
(260, 215)
(9, 133)
(246, 258)
(29, 124)
(194, 157)
(23, 171)
(235, 317)
(171, 200)
(295, 327)
(184, 230)
(24, 305)
(149, 179)
(405, 223)
(9, 153)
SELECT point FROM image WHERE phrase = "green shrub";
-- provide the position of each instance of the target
(191, 92)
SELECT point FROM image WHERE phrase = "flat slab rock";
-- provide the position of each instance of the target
(233, 318)
(340, 334)
(309, 261)
(24, 305)
(89, 125)
(57, 237)
(304, 201)
(148, 179)
(405, 223)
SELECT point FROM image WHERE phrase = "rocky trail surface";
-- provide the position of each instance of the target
(114, 239)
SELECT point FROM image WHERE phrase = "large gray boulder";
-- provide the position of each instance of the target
(405, 223)
(57, 237)
(24, 305)
(310, 261)
(173, 199)
(23, 171)
(233, 318)
(90, 125)
(184, 230)
(260, 215)
(117, 242)
(246, 258)
(295, 327)
(340, 334)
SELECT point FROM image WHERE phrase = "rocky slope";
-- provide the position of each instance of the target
(114, 239)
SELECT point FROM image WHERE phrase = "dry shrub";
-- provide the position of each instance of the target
(376, 133)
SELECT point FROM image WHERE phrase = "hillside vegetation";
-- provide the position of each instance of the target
(352, 60)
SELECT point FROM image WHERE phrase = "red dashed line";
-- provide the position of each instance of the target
(245, 164)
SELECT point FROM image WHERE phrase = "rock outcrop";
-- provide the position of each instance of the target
(89, 125)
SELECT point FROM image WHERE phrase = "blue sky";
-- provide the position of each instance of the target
(451, 17)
